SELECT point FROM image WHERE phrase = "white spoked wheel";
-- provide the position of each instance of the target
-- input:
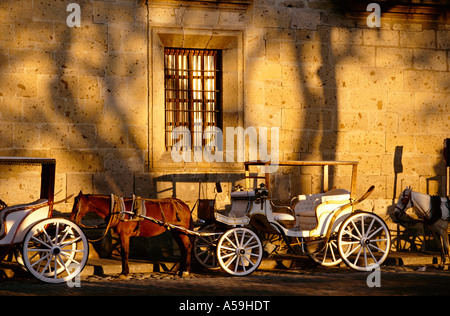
(239, 251)
(326, 255)
(205, 248)
(55, 250)
(364, 241)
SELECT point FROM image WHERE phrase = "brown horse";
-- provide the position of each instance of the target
(170, 210)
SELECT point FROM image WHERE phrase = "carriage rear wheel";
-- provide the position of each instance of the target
(364, 241)
(55, 250)
(239, 251)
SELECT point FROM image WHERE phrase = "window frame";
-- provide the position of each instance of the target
(193, 94)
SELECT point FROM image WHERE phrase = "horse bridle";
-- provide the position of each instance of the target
(112, 220)
(405, 201)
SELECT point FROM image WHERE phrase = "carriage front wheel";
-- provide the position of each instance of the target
(55, 250)
(364, 241)
(205, 248)
(239, 251)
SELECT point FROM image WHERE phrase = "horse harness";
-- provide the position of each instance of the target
(139, 210)
(435, 210)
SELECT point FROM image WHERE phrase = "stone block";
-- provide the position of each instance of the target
(161, 16)
(118, 183)
(400, 101)
(11, 110)
(390, 57)
(113, 13)
(78, 161)
(423, 39)
(381, 78)
(87, 37)
(82, 136)
(54, 136)
(443, 39)
(232, 19)
(31, 32)
(382, 121)
(381, 37)
(433, 103)
(26, 135)
(430, 59)
(353, 121)
(79, 182)
(347, 54)
(195, 17)
(7, 132)
(442, 81)
(418, 80)
(125, 65)
(143, 185)
(429, 144)
(362, 142)
(411, 123)
(124, 161)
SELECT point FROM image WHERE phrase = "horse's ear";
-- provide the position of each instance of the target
(81, 193)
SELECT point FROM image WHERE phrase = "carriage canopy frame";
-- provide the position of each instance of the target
(324, 164)
(47, 174)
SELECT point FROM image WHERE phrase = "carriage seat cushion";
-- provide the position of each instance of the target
(283, 217)
(306, 205)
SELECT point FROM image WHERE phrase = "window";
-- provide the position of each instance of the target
(192, 95)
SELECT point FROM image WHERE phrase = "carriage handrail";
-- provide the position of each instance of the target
(323, 164)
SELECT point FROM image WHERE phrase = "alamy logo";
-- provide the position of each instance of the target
(76, 281)
(374, 279)
(235, 144)
(374, 18)
(74, 18)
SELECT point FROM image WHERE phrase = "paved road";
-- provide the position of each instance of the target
(314, 281)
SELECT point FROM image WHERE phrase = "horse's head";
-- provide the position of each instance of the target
(404, 202)
(80, 208)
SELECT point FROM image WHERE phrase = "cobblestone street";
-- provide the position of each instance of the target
(314, 281)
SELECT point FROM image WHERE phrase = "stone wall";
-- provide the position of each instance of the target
(91, 96)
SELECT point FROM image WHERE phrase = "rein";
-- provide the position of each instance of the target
(112, 221)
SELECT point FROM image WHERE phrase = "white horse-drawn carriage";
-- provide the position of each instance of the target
(326, 226)
(54, 250)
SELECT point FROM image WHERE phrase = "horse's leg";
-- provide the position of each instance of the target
(445, 245)
(124, 252)
(184, 243)
(437, 234)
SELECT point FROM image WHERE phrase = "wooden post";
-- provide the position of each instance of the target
(247, 178)
(354, 175)
(447, 179)
(325, 178)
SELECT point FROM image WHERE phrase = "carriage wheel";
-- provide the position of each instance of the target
(205, 249)
(326, 255)
(239, 251)
(364, 241)
(55, 250)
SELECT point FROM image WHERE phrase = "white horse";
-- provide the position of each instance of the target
(436, 217)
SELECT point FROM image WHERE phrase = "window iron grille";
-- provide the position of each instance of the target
(192, 97)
